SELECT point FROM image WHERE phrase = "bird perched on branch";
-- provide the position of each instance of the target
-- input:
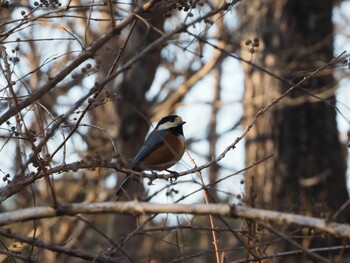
(163, 148)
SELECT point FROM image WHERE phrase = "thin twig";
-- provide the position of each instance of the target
(211, 219)
(313, 255)
(56, 248)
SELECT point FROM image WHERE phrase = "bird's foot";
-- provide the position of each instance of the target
(174, 176)
(155, 176)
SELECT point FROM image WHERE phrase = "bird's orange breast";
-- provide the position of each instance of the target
(166, 155)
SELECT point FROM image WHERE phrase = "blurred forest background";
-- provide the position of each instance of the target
(256, 81)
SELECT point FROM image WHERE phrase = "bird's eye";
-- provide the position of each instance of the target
(177, 120)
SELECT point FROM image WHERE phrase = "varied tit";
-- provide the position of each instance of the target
(163, 148)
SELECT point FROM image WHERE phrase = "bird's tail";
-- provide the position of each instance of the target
(124, 186)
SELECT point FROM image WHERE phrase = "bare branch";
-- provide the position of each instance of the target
(141, 208)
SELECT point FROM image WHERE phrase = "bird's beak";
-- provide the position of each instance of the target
(181, 123)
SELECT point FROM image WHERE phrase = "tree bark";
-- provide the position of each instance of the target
(307, 173)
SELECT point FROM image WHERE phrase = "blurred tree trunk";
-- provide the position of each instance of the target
(126, 119)
(295, 38)
(133, 113)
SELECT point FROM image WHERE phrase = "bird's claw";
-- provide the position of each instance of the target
(155, 176)
(174, 176)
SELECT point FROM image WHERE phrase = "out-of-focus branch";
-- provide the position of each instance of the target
(140, 208)
(86, 54)
(56, 248)
(169, 104)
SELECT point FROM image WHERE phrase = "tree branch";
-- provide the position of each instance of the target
(140, 208)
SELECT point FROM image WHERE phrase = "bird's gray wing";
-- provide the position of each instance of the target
(153, 141)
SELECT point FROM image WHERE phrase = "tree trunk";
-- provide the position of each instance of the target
(307, 173)
(134, 112)
(126, 119)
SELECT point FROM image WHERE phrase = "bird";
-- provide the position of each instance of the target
(163, 148)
